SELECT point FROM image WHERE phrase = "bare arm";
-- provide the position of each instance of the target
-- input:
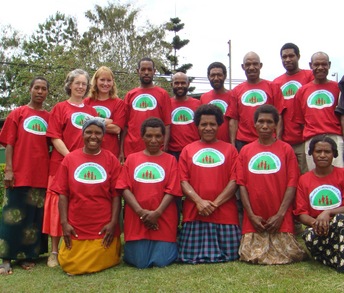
(109, 229)
(204, 207)
(9, 176)
(167, 137)
(274, 223)
(233, 129)
(111, 127)
(67, 229)
(279, 128)
(226, 194)
(257, 221)
(60, 146)
(121, 157)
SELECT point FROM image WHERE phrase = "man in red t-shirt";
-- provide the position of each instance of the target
(247, 97)
(183, 128)
(315, 107)
(219, 95)
(141, 103)
(290, 82)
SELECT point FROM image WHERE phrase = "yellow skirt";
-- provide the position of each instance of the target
(89, 256)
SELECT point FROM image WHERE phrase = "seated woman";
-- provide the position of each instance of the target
(149, 182)
(319, 204)
(89, 206)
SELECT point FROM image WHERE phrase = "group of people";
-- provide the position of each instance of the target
(177, 159)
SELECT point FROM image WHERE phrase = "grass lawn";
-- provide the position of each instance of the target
(307, 276)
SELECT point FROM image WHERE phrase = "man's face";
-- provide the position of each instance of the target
(216, 78)
(320, 66)
(180, 86)
(146, 72)
(252, 66)
(290, 60)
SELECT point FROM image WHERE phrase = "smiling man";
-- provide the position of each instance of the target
(315, 107)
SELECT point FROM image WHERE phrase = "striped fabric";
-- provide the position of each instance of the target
(202, 242)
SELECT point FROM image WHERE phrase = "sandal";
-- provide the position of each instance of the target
(27, 265)
(6, 269)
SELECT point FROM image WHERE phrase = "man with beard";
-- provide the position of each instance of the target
(183, 128)
(247, 97)
(143, 102)
(219, 95)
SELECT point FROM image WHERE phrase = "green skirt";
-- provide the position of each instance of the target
(21, 224)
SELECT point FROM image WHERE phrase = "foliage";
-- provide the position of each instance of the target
(175, 25)
(113, 39)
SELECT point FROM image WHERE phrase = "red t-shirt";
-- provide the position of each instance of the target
(25, 130)
(140, 104)
(246, 99)
(315, 108)
(149, 178)
(316, 194)
(222, 101)
(89, 183)
(208, 168)
(266, 172)
(289, 84)
(111, 109)
(183, 128)
(65, 123)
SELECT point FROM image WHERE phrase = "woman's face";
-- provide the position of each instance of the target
(79, 86)
(39, 91)
(104, 83)
(93, 137)
(322, 154)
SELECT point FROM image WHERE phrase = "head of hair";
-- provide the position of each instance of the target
(39, 78)
(323, 138)
(145, 59)
(154, 123)
(266, 109)
(320, 53)
(70, 78)
(208, 109)
(100, 122)
(291, 46)
(94, 89)
(217, 65)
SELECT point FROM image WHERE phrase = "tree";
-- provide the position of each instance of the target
(175, 25)
(115, 40)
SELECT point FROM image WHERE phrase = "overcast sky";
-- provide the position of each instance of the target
(251, 25)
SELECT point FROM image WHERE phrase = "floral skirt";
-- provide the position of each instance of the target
(21, 224)
(270, 249)
(329, 249)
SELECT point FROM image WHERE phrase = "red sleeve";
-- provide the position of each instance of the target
(55, 125)
(9, 130)
(115, 172)
(301, 199)
(173, 184)
(297, 109)
(60, 182)
(166, 109)
(123, 181)
(278, 98)
(239, 169)
(232, 109)
(183, 167)
(118, 115)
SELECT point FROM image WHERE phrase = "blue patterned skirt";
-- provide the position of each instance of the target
(203, 242)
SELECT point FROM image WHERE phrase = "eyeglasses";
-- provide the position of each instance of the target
(79, 83)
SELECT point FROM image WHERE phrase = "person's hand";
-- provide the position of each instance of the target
(273, 224)
(258, 223)
(205, 207)
(108, 232)
(150, 219)
(121, 158)
(322, 224)
(9, 178)
(68, 231)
